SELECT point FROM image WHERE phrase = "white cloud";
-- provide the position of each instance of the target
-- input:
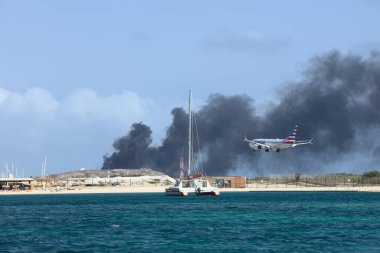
(3, 95)
(86, 105)
(34, 102)
(73, 131)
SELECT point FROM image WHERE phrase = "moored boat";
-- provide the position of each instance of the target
(194, 182)
(181, 188)
(205, 189)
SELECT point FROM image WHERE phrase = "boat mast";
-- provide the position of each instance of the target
(189, 140)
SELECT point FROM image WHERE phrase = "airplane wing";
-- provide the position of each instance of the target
(303, 142)
(276, 148)
(253, 144)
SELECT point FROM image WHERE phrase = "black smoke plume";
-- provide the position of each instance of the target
(337, 103)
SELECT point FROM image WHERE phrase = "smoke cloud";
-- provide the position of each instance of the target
(337, 102)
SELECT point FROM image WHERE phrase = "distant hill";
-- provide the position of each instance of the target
(109, 173)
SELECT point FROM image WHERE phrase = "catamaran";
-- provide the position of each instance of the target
(194, 181)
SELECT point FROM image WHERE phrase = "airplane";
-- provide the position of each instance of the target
(277, 144)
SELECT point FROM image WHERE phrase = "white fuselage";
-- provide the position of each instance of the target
(277, 144)
(274, 144)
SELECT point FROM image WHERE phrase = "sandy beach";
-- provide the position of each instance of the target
(97, 190)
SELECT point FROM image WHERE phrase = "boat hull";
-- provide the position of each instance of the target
(207, 193)
(175, 192)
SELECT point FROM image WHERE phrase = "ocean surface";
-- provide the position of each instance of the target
(231, 222)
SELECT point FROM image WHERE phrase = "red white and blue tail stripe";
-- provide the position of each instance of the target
(292, 137)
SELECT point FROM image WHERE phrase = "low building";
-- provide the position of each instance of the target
(15, 183)
(227, 182)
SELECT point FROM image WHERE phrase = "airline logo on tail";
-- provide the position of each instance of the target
(277, 144)
(292, 137)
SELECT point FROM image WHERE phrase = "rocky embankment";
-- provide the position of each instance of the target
(108, 173)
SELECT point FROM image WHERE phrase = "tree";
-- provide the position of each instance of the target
(370, 174)
(297, 176)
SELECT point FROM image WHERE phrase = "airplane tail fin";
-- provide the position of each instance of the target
(292, 136)
(245, 138)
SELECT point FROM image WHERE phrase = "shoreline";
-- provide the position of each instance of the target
(161, 189)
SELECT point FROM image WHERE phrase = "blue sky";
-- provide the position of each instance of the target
(75, 74)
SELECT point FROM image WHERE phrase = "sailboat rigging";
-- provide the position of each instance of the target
(194, 181)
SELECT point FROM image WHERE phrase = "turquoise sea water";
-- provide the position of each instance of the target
(232, 222)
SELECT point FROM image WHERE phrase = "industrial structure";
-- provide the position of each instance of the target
(15, 183)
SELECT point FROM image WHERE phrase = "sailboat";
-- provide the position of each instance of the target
(192, 183)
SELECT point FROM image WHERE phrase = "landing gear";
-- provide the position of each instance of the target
(259, 147)
(266, 150)
(278, 150)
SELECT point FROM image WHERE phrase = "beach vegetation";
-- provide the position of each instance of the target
(371, 174)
